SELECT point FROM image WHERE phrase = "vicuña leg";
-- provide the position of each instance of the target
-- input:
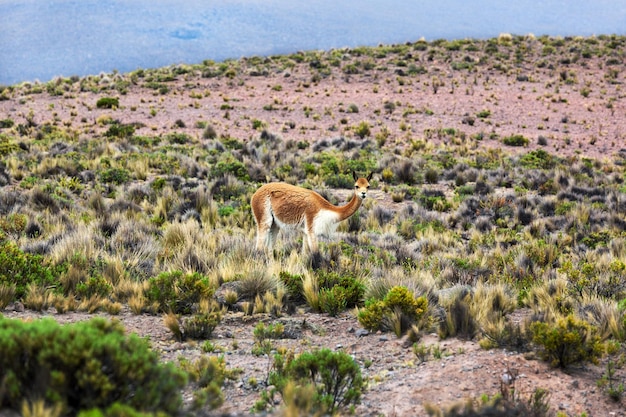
(310, 241)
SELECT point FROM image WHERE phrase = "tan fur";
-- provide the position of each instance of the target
(278, 205)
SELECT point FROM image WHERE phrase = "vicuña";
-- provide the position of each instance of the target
(279, 205)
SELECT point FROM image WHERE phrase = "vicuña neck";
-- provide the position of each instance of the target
(349, 209)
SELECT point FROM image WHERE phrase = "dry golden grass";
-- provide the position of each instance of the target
(82, 241)
(39, 408)
(38, 298)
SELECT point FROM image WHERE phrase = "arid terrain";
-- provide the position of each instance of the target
(563, 101)
(399, 385)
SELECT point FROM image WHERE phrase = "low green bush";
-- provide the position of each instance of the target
(567, 341)
(82, 366)
(229, 165)
(335, 375)
(178, 138)
(119, 130)
(19, 269)
(351, 289)
(515, 140)
(7, 145)
(333, 300)
(176, 292)
(118, 410)
(538, 159)
(115, 176)
(200, 326)
(293, 283)
(362, 130)
(107, 102)
(398, 311)
(95, 285)
(339, 181)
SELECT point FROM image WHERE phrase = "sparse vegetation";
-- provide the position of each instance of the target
(515, 246)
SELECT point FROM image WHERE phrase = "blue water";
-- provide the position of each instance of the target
(42, 39)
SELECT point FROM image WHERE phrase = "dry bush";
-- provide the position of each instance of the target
(38, 298)
(82, 240)
(605, 315)
(255, 282)
(7, 293)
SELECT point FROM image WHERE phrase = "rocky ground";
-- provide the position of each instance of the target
(398, 383)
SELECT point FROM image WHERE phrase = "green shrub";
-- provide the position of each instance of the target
(339, 181)
(95, 285)
(177, 292)
(178, 138)
(483, 114)
(398, 311)
(293, 283)
(271, 331)
(13, 224)
(231, 143)
(7, 145)
(107, 102)
(200, 326)
(373, 316)
(335, 376)
(209, 373)
(119, 130)
(332, 301)
(538, 159)
(352, 287)
(230, 165)
(515, 140)
(362, 130)
(118, 410)
(568, 341)
(19, 269)
(115, 176)
(263, 336)
(82, 366)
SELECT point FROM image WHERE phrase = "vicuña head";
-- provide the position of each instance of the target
(279, 205)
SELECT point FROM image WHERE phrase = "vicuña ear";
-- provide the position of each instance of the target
(369, 177)
(354, 176)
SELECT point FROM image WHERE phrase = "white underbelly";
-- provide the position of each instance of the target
(325, 223)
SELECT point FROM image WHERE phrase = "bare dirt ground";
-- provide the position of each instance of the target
(541, 104)
(578, 108)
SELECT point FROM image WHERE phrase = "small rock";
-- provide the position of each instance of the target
(361, 333)
(16, 306)
(383, 338)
